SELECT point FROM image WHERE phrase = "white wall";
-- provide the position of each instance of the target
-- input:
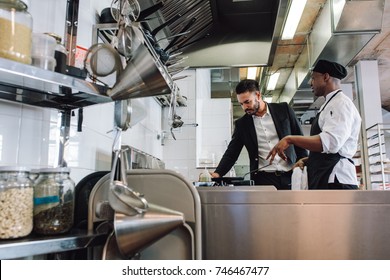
(209, 139)
(180, 154)
(29, 135)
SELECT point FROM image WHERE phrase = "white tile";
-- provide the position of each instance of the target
(10, 108)
(83, 150)
(178, 165)
(34, 144)
(176, 149)
(9, 140)
(77, 174)
(37, 113)
(99, 118)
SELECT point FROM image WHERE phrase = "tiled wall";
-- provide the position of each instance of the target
(180, 154)
(29, 135)
(209, 138)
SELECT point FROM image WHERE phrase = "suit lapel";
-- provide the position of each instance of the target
(251, 127)
(275, 119)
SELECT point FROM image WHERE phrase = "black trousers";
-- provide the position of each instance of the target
(281, 180)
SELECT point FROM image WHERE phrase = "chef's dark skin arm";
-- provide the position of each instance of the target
(311, 143)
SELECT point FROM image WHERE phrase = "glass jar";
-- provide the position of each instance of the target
(53, 201)
(16, 202)
(15, 31)
(60, 54)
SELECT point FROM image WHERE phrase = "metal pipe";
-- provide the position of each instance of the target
(71, 22)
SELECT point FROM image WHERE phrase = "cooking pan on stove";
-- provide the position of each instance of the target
(236, 181)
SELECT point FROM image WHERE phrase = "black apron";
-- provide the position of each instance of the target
(320, 165)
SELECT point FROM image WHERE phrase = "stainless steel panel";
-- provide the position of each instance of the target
(167, 189)
(250, 224)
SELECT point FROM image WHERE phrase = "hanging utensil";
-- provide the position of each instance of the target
(149, 11)
(102, 60)
(168, 22)
(185, 28)
(121, 197)
(150, 34)
(175, 120)
(176, 71)
(129, 10)
(123, 41)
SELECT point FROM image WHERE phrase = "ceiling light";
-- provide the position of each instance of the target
(273, 79)
(294, 16)
(251, 74)
(268, 99)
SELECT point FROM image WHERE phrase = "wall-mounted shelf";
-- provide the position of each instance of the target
(40, 245)
(35, 86)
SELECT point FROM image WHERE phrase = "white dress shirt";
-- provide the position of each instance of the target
(340, 124)
(267, 138)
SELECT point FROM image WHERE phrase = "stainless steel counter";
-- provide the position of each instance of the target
(258, 223)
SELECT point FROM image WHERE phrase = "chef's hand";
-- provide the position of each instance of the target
(279, 150)
(215, 175)
(301, 163)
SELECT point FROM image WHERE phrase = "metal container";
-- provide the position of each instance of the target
(143, 76)
(136, 232)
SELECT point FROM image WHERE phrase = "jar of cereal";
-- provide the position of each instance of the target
(15, 31)
(53, 201)
(16, 202)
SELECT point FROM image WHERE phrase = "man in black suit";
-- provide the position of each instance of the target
(263, 125)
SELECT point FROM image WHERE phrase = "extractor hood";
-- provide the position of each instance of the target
(223, 33)
(339, 34)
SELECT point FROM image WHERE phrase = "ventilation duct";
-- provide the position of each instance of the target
(339, 34)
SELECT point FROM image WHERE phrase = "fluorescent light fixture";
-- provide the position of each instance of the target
(268, 99)
(273, 79)
(293, 18)
(251, 74)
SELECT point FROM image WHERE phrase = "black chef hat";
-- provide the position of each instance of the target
(332, 68)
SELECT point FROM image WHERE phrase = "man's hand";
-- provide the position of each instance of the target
(301, 163)
(215, 175)
(279, 150)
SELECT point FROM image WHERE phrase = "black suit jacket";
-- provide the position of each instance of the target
(244, 134)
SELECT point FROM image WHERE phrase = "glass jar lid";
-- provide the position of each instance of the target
(55, 170)
(14, 169)
(16, 4)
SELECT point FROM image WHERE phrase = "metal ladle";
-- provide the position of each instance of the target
(175, 119)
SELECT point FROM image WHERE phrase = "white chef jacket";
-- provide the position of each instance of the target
(340, 124)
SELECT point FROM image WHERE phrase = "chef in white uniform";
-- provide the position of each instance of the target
(334, 133)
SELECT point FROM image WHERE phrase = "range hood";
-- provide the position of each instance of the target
(224, 33)
(339, 34)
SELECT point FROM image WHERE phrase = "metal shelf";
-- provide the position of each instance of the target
(376, 155)
(39, 245)
(35, 86)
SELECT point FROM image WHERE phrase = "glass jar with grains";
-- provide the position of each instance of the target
(15, 31)
(53, 201)
(16, 202)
